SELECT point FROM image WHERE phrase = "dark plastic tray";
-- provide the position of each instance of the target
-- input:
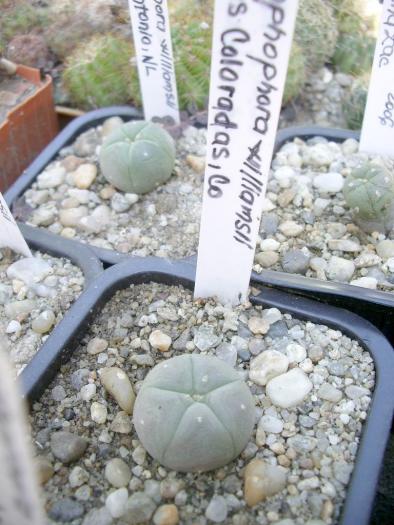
(360, 494)
(376, 306)
(82, 256)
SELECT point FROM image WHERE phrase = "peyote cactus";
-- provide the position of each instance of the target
(296, 74)
(98, 73)
(316, 32)
(354, 53)
(353, 105)
(194, 413)
(369, 192)
(137, 157)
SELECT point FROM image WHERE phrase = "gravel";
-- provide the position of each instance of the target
(309, 418)
(35, 293)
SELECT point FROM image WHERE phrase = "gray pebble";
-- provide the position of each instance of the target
(217, 509)
(295, 261)
(66, 510)
(58, 393)
(67, 447)
(139, 509)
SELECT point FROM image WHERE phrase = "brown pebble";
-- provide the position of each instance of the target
(44, 469)
(166, 515)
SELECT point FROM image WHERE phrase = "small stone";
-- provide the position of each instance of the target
(117, 472)
(79, 378)
(262, 480)
(43, 216)
(295, 353)
(121, 423)
(88, 391)
(267, 259)
(166, 515)
(271, 424)
(51, 178)
(78, 476)
(44, 322)
(96, 346)
(13, 327)
(170, 487)
(84, 176)
(350, 146)
(160, 341)
(320, 155)
(205, 338)
(366, 282)
(99, 516)
(98, 413)
(116, 383)
(22, 308)
(107, 192)
(67, 447)
(110, 125)
(291, 228)
(116, 502)
(121, 202)
(329, 393)
(258, 325)
(29, 270)
(320, 205)
(329, 182)
(267, 365)
(227, 353)
(339, 269)
(66, 510)
(44, 469)
(269, 245)
(196, 163)
(344, 245)
(97, 221)
(71, 217)
(271, 315)
(139, 509)
(385, 249)
(139, 455)
(289, 389)
(217, 509)
(355, 392)
(58, 393)
(295, 261)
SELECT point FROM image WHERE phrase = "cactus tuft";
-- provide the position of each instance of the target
(137, 157)
(193, 413)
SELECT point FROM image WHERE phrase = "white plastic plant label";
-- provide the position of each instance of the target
(10, 234)
(251, 47)
(19, 499)
(152, 41)
(377, 133)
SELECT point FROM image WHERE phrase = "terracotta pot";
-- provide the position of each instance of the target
(28, 127)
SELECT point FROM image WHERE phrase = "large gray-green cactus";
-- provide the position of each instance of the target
(137, 157)
(369, 192)
(194, 413)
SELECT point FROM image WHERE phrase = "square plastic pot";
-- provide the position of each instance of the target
(65, 338)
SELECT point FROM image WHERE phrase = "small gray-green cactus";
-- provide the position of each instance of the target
(137, 157)
(353, 104)
(369, 192)
(194, 413)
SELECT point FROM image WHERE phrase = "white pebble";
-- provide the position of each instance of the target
(98, 413)
(289, 390)
(116, 502)
(160, 341)
(295, 353)
(267, 365)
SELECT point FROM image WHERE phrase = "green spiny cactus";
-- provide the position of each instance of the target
(137, 157)
(369, 192)
(316, 32)
(194, 413)
(296, 74)
(354, 53)
(98, 73)
(353, 105)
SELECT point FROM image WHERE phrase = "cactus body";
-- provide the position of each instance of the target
(296, 74)
(98, 73)
(193, 413)
(316, 32)
(354, 53)
(369, 192)
(137, 157)
(353, 105)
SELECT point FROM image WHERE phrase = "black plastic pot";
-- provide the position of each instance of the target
(376, 430)
(82, 256)
(375, 306)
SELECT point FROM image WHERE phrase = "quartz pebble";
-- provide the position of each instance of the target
(43, 322)
(121, 423)
(51, 178)
(329, 182)
(116, 502)
(329, 393)
(160, 341)
(262, 480)
(366, 282)
(217, 509)
(96, 346)
(289, 389)
(117, 472)
(166, 515)
(267, 365)
(291, 228)
(29, 270)
(385, 249)
(84, 176)
(98, 413)
(258, 325)
(67, 447)
(271, 424)
(78, 476)
(295, 353)
(116, 383)
(340, 269)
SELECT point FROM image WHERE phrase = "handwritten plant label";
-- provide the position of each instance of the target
(377, 134)
(251, 46)
(10, 235)
(152, 40)
(19, 501)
